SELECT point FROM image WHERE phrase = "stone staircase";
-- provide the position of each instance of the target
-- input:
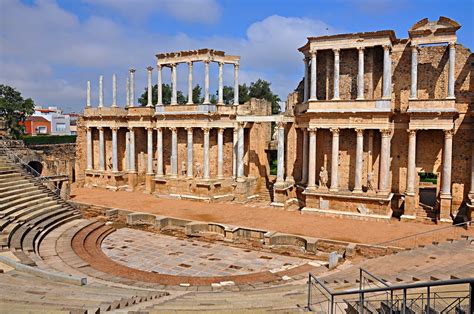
(28, 209)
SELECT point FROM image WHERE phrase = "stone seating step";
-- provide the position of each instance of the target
(16, 235)
(7, 177)
(7, 184)
(23, 209)
(11, 194)
(15, 199)
(28, 243)
(16, 185)
(22, 199)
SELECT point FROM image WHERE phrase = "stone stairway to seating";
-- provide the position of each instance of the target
(451, 259)
(28, 209)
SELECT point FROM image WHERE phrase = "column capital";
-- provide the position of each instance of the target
(173, 129)
(100, 128)
(387, 47)
(360, 132)
(452, 45)
(448, 133)
(159, 67)
(114, 128)
(236, 130)
(173, 65)
(190, 64)
(206, 61)
(221, 63)
(149, 68)
(132, 70)
(88, 128)
(415, 48)
(189, 129)
(336, 51)
(130, 128)
(280, 124)
(221, 130)
(306, 60)
(241, 124)
(236, 66)
(312, 130)
(335, 131)
(313, 53)
(361, 49)
(149, 128)
(412, 132)
(206, 130)
(386, 132)
(159, 128)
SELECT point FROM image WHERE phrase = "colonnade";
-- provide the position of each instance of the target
(414, 71)
(309, 159)
(447, 163)
(130, 138)
(310, 81)
(174, 90)
(130, 86)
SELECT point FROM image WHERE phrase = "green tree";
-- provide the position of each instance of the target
(228, 95)
(14, 110)
(243, 93)
(197, 90)
(166, 95)
(261, 90)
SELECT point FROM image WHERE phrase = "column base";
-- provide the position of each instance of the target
(132, 181)
(357, 191)
(360, 98)
(451, 97)
(333, 189)
(241, 179)
(149, 183)
(445, 201)
(189, 103)
(336, 98)
(410, 205)
(312, 99)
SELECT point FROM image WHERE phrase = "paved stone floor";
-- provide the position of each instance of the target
(186, 257)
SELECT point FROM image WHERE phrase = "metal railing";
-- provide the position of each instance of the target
(427, 237)
(28, 169)
(419, 297)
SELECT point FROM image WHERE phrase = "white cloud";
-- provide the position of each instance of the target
(194, 11)
(48, 53)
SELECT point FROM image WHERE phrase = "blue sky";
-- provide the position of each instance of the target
(49, 49)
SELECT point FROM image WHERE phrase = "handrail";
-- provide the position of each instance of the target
(465, 223)
(386, 289)
(36, 175)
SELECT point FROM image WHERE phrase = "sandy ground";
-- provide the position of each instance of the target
(257, 217)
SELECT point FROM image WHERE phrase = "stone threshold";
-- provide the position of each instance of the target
(352, 215)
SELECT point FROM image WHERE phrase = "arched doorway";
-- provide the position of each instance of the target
(36, 165)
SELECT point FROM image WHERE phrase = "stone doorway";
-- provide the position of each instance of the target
(428, 189)
(36, 165)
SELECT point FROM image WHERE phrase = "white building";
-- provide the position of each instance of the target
(60, 123)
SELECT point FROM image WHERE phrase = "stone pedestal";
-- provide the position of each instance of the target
(284, 195)
(410, 205)
(445, 208)
(150, 183)
(132, 181)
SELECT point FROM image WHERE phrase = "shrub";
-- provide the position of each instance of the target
(49, 139)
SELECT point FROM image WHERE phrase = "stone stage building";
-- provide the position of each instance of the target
(379, 126)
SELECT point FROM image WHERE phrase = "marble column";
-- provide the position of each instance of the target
(235, 145)
(190, 163)
(220, 154)
(304, 170)
(149, 151)
(174, 152)
(190, 83)
(281, 153)
(312, 158)
(174, 87)
(132, 87)
(101, 91)
(411, 166)
(220, 100)
(236, 84)
(335, 160)
(385, 161)
(313, 76)
(127, 92)
(101, 149)
(159, 85)
(114, 90)
(360, 74)
(336, 74)
(306, 80)
(89, 148)
(240, 158)
(452, 67)
(447, 163)
(159, 152)
(358, 160)
(150, 87)
(127, 151)
(414, 73)
(206, 153)
(387, 73)
(132, 165)
(114, 149)
(206, 82)
(88, 100)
